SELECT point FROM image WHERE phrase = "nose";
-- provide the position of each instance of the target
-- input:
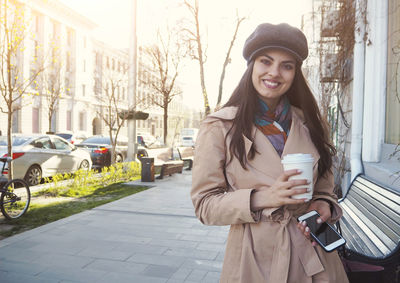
(274, 70)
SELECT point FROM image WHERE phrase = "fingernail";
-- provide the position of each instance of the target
(307, 229)
(303, 223)
(299, 171)
(319, 220)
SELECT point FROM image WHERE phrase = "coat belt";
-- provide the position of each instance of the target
(288, 236)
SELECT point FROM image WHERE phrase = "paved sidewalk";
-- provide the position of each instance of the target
(152, 236)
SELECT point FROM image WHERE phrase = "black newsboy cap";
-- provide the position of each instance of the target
(282, 36)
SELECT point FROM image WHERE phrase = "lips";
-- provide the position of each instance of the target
(271, 84)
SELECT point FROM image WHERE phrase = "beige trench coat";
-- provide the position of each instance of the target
(264, 246)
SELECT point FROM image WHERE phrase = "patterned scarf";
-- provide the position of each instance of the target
(275, 125)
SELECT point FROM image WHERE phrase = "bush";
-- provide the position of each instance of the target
(78, 184)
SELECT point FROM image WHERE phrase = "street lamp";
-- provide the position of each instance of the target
(132, 145)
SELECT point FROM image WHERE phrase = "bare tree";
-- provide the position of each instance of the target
(112, 109)
(52, 87)
(166, 58)
(13, 82)
(239, 20)
(195, 46)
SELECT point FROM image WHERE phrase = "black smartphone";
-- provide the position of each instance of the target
(324, 234)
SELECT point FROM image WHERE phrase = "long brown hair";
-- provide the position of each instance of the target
(245, 98)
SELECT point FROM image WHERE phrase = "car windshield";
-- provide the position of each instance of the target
(16, 140)
(97, 140)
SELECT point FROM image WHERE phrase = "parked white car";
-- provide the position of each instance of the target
(39, 156)
(73, 138)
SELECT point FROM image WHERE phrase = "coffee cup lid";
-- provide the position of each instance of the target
(297, 157)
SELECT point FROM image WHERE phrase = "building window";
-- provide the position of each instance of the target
(34, 58)
(35, 22)
(70, 37)
(69, 120)
(35, 120)
(84, 65)
(15, 121)
(55, 27)
(83, 90)
(82, 121)
(67, 86)
(68, 62)
(392, 133)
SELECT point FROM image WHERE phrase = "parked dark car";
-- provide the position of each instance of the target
(100, 150)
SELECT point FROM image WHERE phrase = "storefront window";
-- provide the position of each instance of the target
(392, 133)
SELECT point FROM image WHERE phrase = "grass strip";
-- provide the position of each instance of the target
(40, 214)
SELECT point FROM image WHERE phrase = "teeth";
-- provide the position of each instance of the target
(271, 84)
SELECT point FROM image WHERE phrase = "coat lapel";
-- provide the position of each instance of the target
(267, 160)
(299, 140)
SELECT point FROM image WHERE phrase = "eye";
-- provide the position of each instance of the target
(288, 67)
(265, 61)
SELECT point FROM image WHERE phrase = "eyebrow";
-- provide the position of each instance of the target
(287, 61)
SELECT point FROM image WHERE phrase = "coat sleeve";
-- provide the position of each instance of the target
(214, 204)
(324, 189)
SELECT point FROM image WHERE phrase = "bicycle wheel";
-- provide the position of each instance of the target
(14, 201)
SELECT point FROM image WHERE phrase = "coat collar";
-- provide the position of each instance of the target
(268, 160)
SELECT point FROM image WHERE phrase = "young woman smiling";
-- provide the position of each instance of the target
(238, 178)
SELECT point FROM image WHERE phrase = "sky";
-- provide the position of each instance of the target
(217, 20)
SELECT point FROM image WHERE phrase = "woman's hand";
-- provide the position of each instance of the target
(324, 210)
(279, 193)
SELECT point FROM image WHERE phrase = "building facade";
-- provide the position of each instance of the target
(356, 55)
(79, 76)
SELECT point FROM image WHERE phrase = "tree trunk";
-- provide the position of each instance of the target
(50, 116)
(202, 80)
(9, 142)
(165, 123)
(227, 60)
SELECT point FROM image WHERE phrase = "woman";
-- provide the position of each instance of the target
(238, 178)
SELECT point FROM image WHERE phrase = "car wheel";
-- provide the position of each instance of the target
(119, 158)
(33, 176)
(84, 165)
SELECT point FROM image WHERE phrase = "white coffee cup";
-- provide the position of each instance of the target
(303, 162)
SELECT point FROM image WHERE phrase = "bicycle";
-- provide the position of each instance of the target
(15, 195)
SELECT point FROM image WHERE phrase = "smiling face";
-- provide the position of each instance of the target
(273, 74)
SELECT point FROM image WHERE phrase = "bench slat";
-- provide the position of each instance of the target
(389, 202)
(352, 212)
(384, 224)
(375, 225)
(353, 240)
(378, 213)
(356, 239)
(386, 193)
(393, 214)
